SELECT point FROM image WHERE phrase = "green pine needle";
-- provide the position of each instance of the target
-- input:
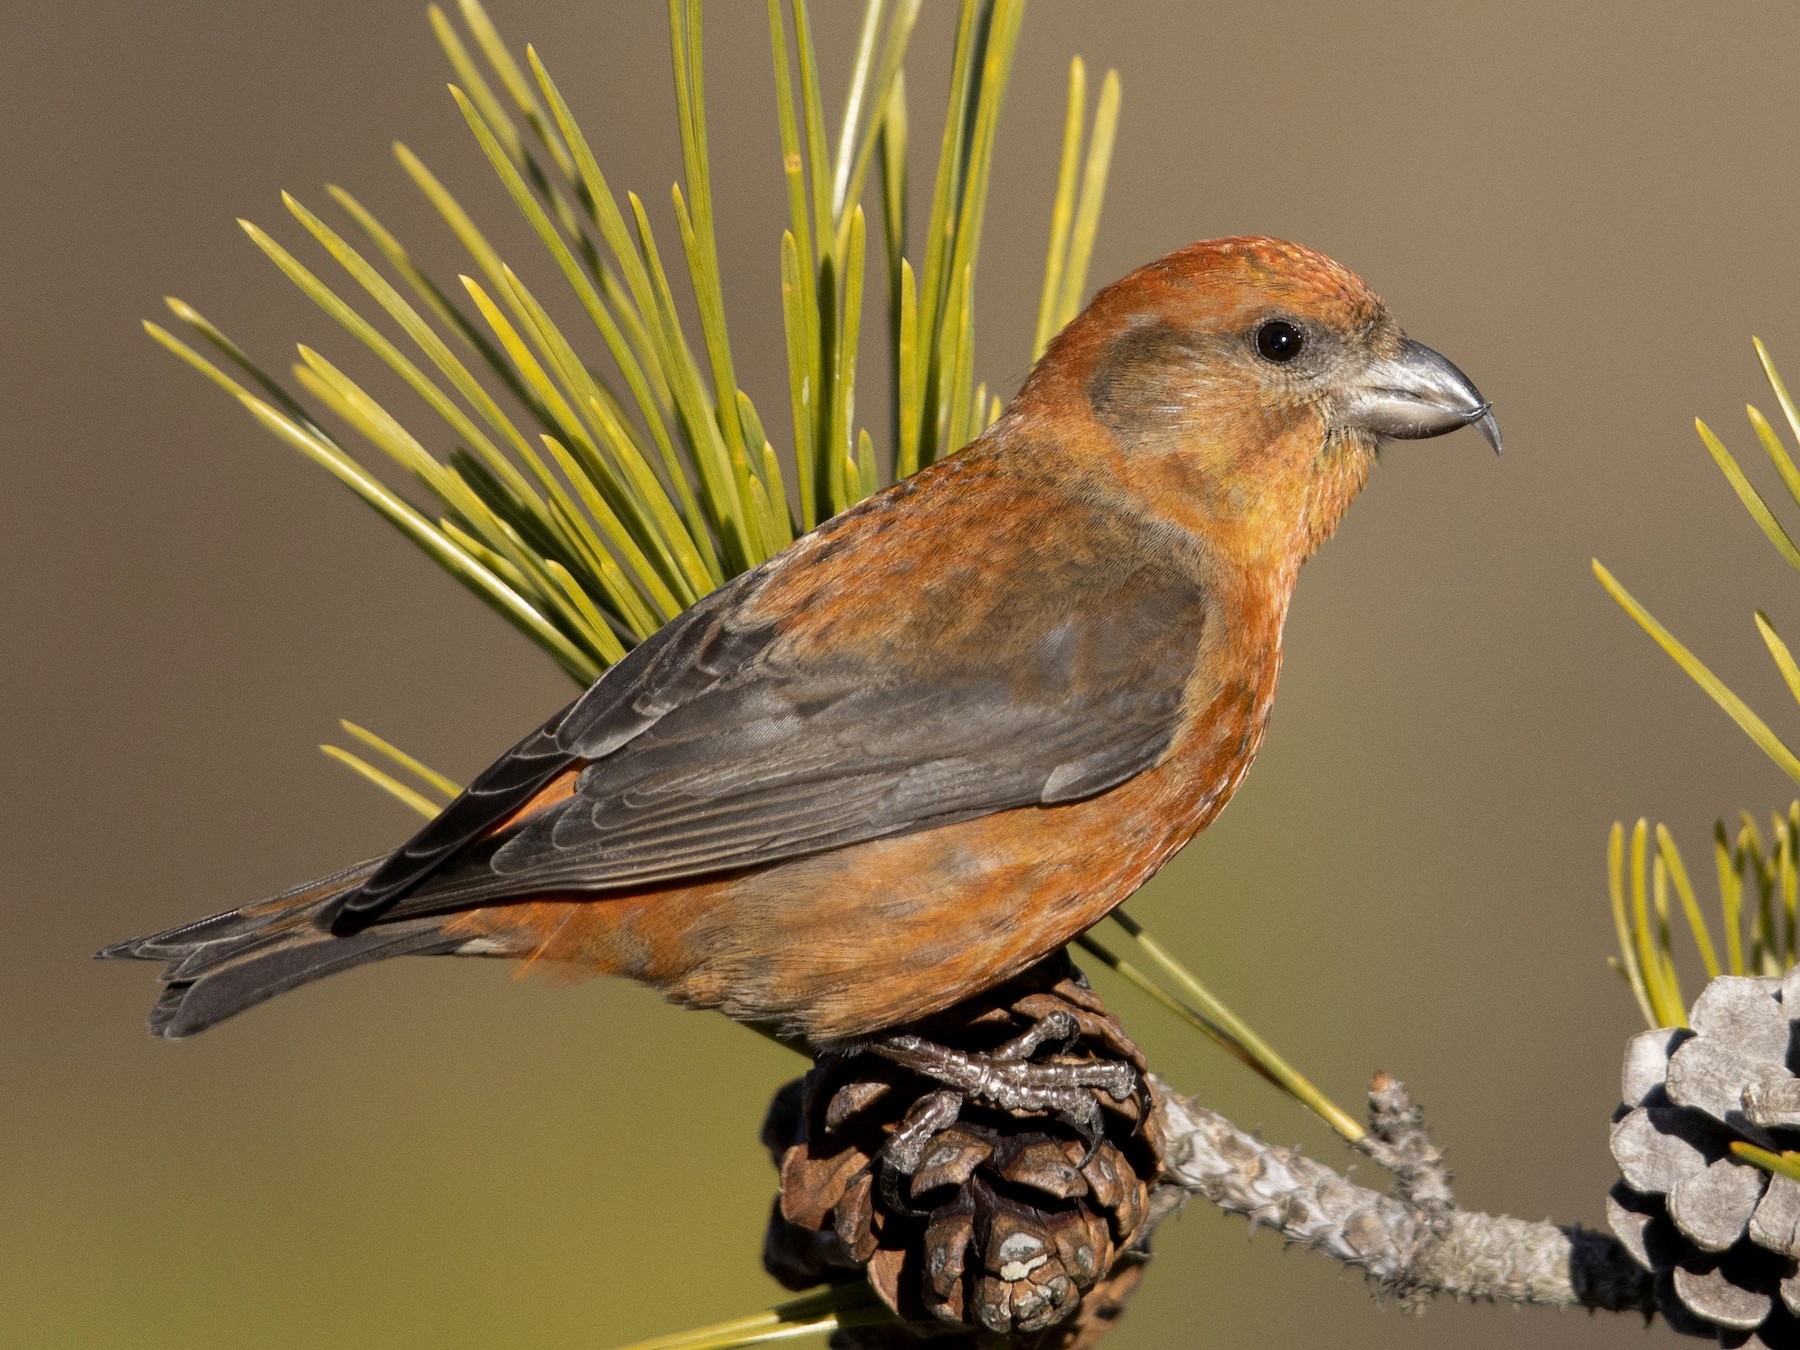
(1785, 1164)
(818, 1313)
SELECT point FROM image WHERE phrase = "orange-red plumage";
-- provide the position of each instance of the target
(944, 733)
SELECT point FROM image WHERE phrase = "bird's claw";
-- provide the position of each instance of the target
(905, 1147)
(1006, 1078)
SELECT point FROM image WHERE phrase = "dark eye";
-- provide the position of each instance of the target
(1279, 340)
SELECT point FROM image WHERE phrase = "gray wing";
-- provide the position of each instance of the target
(687, 656)
(719, 748)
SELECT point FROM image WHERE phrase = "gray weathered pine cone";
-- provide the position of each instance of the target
(1721, 1235)
(1008, 1225)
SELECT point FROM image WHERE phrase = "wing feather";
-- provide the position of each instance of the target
(723, 742)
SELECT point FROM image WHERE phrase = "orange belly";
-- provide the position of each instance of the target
(841, 944)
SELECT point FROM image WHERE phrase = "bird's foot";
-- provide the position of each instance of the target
(1007, 1078)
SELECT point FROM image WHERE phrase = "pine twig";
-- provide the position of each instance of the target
(1412, 1245)
(1399, 1141)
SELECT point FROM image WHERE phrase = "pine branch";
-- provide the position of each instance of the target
(1411, 1245)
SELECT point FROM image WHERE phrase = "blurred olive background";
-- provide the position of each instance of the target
(1589, 208)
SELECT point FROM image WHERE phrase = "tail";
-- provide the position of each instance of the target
(219, 966)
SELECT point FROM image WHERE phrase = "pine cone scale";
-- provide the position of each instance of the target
(1776, 1222)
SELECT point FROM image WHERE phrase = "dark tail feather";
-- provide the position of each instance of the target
(221, 965)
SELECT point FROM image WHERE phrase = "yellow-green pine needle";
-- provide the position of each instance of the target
(978, 407)
(405, 795)
(348, 400)
(1665, 936)
(762, 516)
(1093, 194)
(462, 565)
(604, 209)
(1786, 1164)
(1751, 498)
(429, 291)
(1239, 1030)
(453, 559)
(702, 261)
(365, 332)
(1628, 960)
(865, 462)
(780, 517)
(494, 113)
(599, 634)
(1671, 858)
(860, 68)
(1779, 387)
(427, 340)
(619, 589)
(962, 367)
(1777, 452)
(887, 77)
(574, 529)
(656, 569)
(778, 523)
(909, 396)
(445, 787)
(517, 86)
(1790, 886)
(1735, 707)
(799, 298)
(461, 224)
(940, 231)
(506, 285)
(795, 316)
(345, 398)
(851, 1305)
(1665, 1003)
(894, 174)
(529, 581)
(469, 76)
(216, 339)
(950, 363)
(695, 577)
(1215, 1033)
(1750, 853)
(1784, 659)
(535, 576)
(800, 210)
(719, 495)
(1731, 898)
(997, 57)
(893, 145)
(1750, 840)
(843, 385)
(699, 237)
(812, 106)
(1062, 209)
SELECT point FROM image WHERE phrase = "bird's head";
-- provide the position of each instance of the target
(1242, 386)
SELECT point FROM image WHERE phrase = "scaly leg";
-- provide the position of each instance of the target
(1007, 1078)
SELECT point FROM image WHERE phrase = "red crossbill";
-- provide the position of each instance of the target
(944, 733)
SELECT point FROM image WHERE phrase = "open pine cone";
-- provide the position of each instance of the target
(963, 1215)
(1721, 1235)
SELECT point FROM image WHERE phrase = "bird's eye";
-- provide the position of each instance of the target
(1279, 340)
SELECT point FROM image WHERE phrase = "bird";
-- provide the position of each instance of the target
(941, 735)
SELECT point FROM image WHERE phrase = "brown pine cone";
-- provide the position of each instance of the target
(963, 1211)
